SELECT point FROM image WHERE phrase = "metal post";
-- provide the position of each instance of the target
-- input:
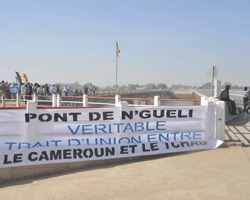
(34, 97)
(53, 100)
(18, 100)
(58, 100)
(117, 100)
(212, 83)
(3, 101)
(157, 101)
(85, 100)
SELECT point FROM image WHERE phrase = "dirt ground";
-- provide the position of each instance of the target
(222, 173)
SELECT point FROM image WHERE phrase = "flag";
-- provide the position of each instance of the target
(117, 50)
(22, 78)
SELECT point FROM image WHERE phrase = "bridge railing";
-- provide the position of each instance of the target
(96, 101)
(56, 101)
(125, 92)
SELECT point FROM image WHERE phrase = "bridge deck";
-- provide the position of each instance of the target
(237, 131)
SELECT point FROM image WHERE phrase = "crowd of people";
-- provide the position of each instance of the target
(10, 89)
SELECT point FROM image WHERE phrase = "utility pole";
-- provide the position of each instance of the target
(212, 82)
(213, 73)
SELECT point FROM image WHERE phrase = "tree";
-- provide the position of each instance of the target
(151, 86)
(206, 86)
(162, 86)
(133, 86)
(180, 87)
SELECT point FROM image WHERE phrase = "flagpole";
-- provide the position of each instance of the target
(116, 71)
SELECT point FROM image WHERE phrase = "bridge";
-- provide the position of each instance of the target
(147, 93)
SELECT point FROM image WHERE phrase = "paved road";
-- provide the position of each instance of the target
(222, 173)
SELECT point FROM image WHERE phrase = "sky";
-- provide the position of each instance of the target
(160, 41)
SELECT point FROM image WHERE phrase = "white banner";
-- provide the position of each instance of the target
(42, 136)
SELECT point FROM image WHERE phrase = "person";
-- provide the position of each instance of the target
(85, 89)
(70, 91)
(14, 90)
(7, 90)
(224, 96)
(93, 90)
(46, 90)
(3, 88)
(246, 98)
(29, 90)
(23, 90)
(53, 89)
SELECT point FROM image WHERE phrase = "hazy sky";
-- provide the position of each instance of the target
(161, 41)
